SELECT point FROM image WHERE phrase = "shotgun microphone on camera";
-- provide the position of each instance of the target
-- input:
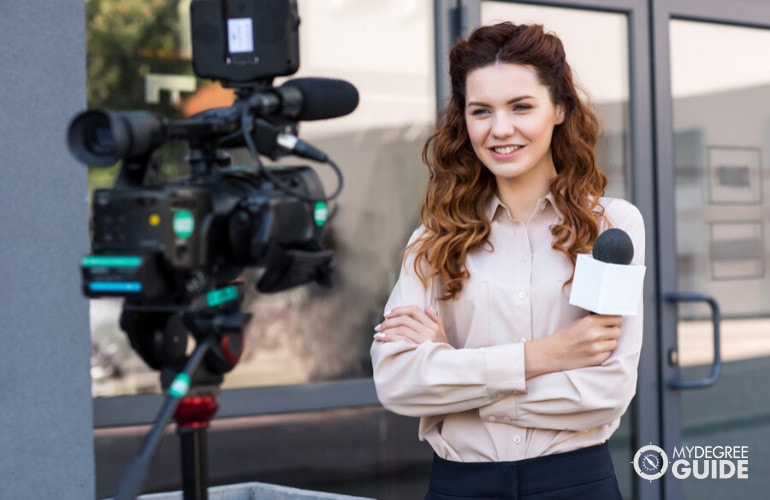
(306, 99)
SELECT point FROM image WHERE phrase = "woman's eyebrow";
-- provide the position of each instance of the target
(512, 101)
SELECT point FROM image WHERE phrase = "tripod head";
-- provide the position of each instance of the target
(158, 333)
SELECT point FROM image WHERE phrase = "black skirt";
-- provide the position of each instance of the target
(585, 474)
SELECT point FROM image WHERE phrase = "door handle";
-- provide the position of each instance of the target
(716, 318)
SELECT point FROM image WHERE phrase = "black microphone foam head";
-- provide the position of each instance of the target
(614, 246)
(324, 98)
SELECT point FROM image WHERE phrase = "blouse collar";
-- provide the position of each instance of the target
(494, 206)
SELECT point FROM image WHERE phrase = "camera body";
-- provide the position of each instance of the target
(180, 238)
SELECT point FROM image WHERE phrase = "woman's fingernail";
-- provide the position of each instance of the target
(387, 313)
(379, 335)
(377, 327)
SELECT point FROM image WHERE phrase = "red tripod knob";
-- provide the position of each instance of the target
(195, 412)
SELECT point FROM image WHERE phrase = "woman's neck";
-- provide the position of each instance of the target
(520, 197)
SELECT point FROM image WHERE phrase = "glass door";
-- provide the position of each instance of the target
(714, 192)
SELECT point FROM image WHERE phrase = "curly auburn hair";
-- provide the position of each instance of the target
(460, 187)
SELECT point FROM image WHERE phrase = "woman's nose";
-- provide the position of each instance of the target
(502, 126)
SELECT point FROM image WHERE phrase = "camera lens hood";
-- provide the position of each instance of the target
(100, 138)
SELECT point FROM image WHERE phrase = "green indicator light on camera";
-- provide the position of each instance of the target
(180, 386)
(221, 296)
(320, 213)
(184, 224)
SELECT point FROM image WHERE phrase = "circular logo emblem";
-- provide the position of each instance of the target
(650, 462)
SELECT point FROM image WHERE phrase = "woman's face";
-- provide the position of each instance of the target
(510, 120)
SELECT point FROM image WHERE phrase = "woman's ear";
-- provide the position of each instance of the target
(560, 114)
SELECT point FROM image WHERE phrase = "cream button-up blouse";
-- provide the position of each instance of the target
(471, 395)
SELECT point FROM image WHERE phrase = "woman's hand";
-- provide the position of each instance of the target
(588, 341)
(412, 324)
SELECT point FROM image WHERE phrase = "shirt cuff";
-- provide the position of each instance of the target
(504, 366)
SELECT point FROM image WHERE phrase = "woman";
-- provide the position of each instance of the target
(517, 390)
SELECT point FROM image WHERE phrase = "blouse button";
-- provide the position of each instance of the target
(507, 420)
(522, 294)
(517, 439)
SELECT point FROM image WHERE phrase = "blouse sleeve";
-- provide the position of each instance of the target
(436, 378)
(585, 398)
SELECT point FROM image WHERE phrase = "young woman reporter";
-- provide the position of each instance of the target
(517, 390)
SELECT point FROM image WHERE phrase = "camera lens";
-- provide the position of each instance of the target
(91, 139)
(99, 140)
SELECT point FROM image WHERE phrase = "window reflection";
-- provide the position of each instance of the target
(721, 146)
(139, 58)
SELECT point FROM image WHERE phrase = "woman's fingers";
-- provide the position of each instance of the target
(588, 341)
(439, 331)
(412, 324)
(433, 315)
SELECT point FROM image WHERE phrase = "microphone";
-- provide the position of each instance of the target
(605, 282)
(307, 99)
(614, 246)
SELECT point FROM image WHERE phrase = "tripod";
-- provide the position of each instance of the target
(191, 394)
(193, 415)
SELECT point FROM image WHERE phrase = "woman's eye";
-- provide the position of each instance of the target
(479, 111)
(521, 107)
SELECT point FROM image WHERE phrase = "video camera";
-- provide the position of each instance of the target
(173, 249)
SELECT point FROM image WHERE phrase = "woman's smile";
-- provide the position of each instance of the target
(504, 152)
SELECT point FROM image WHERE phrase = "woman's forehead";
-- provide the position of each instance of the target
(503, 81)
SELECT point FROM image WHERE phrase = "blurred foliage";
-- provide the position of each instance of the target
(127, 40)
